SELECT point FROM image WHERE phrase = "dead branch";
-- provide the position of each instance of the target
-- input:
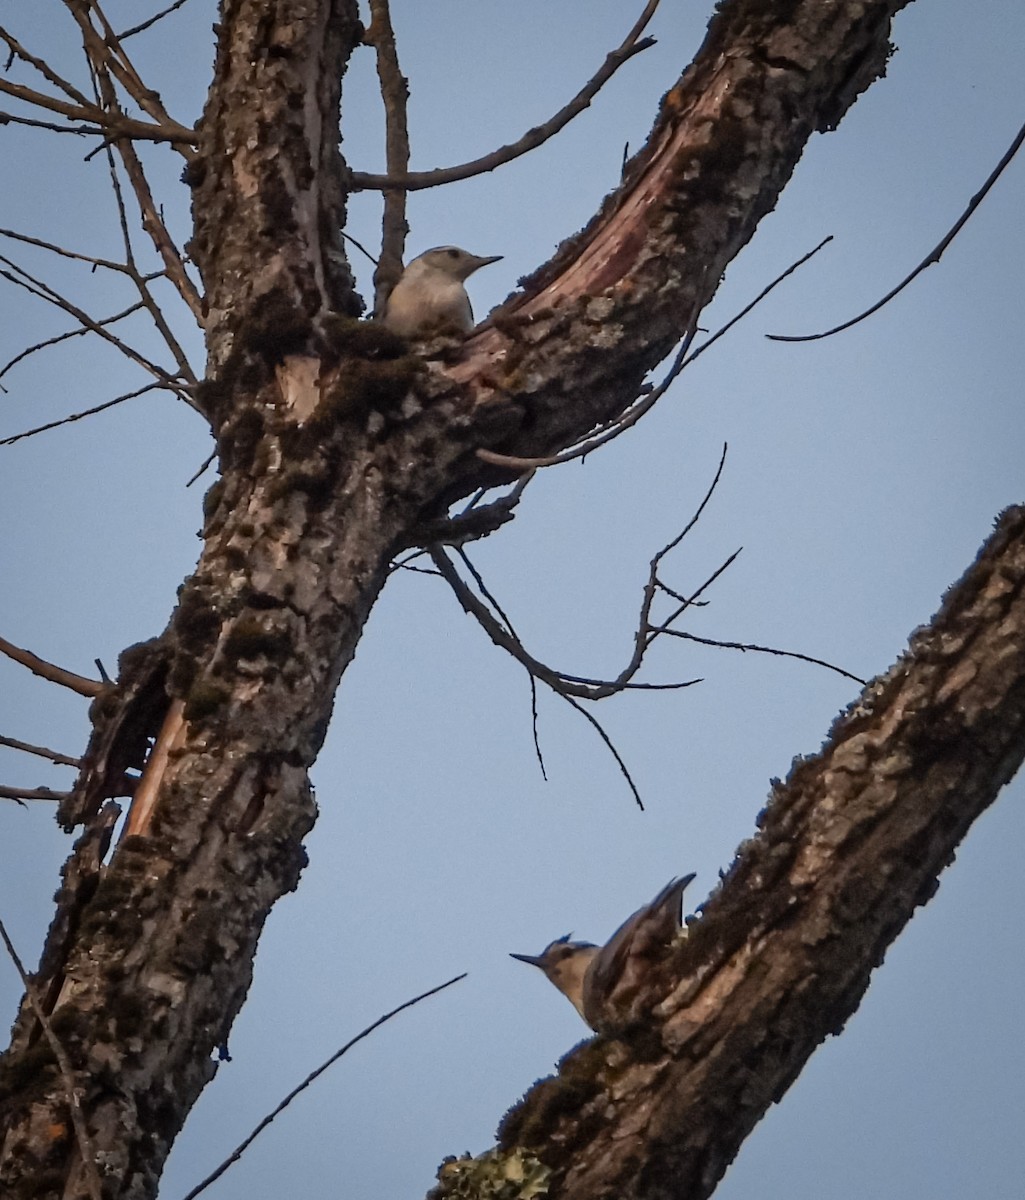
(85, 1144)
(144, 25)
(106, 54)
(68, 334)
(394, 94)
(7, 118)
(112, 125)
(171, 256)
(78, 416)
(54, 756)
(416, 180)
(934, 255)
(244, 1145)
(721, 645)
(19, 794)
(43, 291)
(782, 952)
(43, 67)
(46, 670)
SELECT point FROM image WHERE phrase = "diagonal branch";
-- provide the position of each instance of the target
(934, 255)
(416, 180)
(46, 670)
(782, 953)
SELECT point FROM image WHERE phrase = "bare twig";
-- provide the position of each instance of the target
(44, 292)
(112, 126)
(54, 756)
(20, 794)
(64, 252)
(78, 416)
(817, 662)
(173, 260)
(359, 246)
(624, 770)
(415, 180)
(394, 94)
(105, 53)
(202, 467)
(723, 330)
(144, 25)
(44, 68)
(66, 336)
(85, 1145)
(240, 1149)
(7, 118)
(45, 670)
(933, 256)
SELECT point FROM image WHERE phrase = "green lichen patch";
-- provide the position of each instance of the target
(492, 1176)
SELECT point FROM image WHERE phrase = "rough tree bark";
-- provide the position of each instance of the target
(338, 444)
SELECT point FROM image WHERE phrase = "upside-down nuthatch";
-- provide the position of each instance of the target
(602, 981)
(430, 295)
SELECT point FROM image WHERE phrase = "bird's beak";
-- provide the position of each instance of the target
(533, 959)
(483, 262)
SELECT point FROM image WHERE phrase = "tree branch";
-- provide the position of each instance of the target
(782, 952)
(416, 180)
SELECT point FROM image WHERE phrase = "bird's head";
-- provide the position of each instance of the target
(452, 262)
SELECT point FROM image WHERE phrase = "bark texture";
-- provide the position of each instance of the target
(339, 444)
(782, 952)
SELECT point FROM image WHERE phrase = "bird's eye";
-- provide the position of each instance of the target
(453, 252)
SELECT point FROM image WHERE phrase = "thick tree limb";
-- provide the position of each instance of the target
(782, 952)
(308, 514)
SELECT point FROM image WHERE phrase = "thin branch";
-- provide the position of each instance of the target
(818, 662)
(394, 94)
(19, 794)
(112, 126)
(174, 262)
(88, 412)
(54, 756)
(46, 670)
(624, 770)
(203, 466)
(44, 292)
(105, 53)
(67, 335)
(614, 428)
(43, 67)
(533, 137)
(64, 252)
(241, 1148)
(85, 1145)
(144, 25)
(7, 118)
(699, 350)
(359, 246)
(933, 256)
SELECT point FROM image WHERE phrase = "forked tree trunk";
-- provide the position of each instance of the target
(337, 444)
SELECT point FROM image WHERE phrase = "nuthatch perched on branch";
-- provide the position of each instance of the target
(602, 982)
(430, 296)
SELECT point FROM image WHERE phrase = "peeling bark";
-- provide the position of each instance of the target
(339, 444)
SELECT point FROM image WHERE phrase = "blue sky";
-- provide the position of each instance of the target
(863, 473)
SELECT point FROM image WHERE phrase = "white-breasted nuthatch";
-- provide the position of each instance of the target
(430, 296)
(602, 982)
